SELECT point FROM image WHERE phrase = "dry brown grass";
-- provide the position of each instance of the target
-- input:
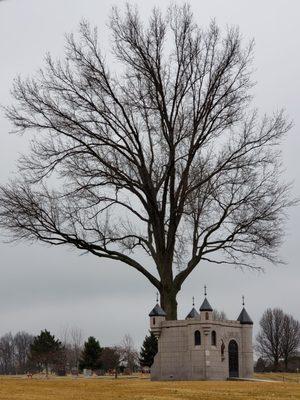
(141, 389)
(279, 376)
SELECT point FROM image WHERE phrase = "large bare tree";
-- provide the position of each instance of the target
(151, 155)
(279, 337)
(269, 338)
(128, 353)
(290, 341)
(22, 343)
(7, 354)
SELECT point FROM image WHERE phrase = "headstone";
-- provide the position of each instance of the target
(87, 373)
(74, 372)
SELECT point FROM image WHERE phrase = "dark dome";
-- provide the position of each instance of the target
(244, 318)
(192, 314)
(206, 306)
(157, 312)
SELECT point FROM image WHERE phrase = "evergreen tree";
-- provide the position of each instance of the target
(46, 350)
(148, 350)
(90, 356)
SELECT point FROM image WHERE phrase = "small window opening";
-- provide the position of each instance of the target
(197, 336)
(206, 316)
(213, 338)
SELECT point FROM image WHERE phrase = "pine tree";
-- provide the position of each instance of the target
(148, 350)
(90, 356)
(46, 350)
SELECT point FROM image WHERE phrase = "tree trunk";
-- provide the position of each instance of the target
(168, 302)
(47, 370)
(286, 361)
(276, 364)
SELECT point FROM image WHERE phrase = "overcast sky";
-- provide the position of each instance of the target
(43, 287)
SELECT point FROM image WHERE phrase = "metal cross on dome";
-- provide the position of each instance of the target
(205, 290)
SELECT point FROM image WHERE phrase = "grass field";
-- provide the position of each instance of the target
(143, 389)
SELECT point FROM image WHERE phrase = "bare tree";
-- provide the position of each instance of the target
(290, 340)
(270, 335)
(128, 353)
(64, 334)
(219, 315)
(279, 336)
(14, 353)
(76, 335)
(110, 359)
(269, 339)
(162, 162)
(22, 342)
(72, 340)
(7, 354)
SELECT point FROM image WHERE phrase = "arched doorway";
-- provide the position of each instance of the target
(233, 358)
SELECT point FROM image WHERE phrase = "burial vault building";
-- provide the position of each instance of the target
(200, 347)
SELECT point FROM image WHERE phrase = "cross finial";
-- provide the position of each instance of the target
(193, 301)
(205, 290)
(243, 300)
(156, 297)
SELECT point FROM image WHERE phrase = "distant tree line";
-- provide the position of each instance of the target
(14, 353)
(24, 353)
(277, 344)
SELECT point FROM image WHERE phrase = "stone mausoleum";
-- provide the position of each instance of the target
(201, 347)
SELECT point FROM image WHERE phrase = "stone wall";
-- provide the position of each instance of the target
(179, 359)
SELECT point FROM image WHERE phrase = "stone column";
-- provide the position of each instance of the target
(206, 344)
(247, 351)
